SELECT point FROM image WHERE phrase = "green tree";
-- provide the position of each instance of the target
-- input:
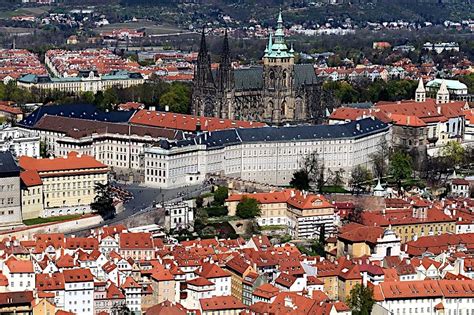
(361, 178)
(400, 167)
(44, 152)
(380, 158)
(453, 153)
(201, 219)
(361, 300)
(177, 98)
(248, 208)
(220, 195)
(88, 97)
(103, 202)
(199, 201)
(300, 180)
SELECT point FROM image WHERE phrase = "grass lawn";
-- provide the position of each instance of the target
(51, 219)
(272, 227)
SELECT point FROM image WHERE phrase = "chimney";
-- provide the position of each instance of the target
(438, 109)
(167, 108)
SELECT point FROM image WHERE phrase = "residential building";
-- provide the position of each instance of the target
(238, 269)
(357, 240)
(226, 305)
(133, 297)
(10, 195)
(20, 274)
(79, 291)
(136, 246)
(68, 182)
(302, 215)
(420, 219)
(19, 303)
(424, 297)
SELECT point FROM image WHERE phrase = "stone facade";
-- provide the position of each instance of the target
(279, 91)
(10, 197)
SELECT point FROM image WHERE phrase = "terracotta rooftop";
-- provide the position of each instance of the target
(187, 122)
(73, 161)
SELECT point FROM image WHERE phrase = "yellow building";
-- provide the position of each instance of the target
(238, 269)
(68, 182)
(31, 195)
(421, 219)
(347, 279)
(44, 307)
(302, 215)
(273, 206)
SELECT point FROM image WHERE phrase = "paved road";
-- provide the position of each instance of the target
(146, 198)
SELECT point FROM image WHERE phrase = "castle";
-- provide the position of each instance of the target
(278, 91)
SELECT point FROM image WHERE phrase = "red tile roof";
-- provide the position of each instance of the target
(130, 283)
(140, 240)
(72, 162)
(221, 303)
(78, 275)
(200, 282)
(19, 266)
(187, 122)
(30, 178)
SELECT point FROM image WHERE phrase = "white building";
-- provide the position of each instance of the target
(79, 291)
(80, 84)
(19, 141)
(267, 155)
(440, 47)
(179, 215)
(436, 297)
(133, 295)
(20, 274)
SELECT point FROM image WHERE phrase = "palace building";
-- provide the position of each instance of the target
(278, 91)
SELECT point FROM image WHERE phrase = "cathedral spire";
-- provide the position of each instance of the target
(203, 47)
(203, 73)
(225, 73)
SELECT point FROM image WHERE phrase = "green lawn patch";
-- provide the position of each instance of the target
(51, 219)
(333, 190)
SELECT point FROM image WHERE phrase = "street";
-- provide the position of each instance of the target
(145, 198)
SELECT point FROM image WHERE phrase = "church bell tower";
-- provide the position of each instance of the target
(278, 72)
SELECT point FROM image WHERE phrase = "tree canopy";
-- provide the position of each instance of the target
(361, 300)
(248, 208)
(220, 195)
(453, 153)
(103, 202)
(300, 180)
(361, 178)
(400, 167)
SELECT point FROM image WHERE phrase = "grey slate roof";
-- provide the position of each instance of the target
(217, 139)
(252, 78)
(248, 79)
(8, 166)
(304, 73)
(80, 111)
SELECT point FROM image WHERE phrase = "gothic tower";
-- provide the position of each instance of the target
(225, 81)
(278, 72)
(420, 93)
(204, 90)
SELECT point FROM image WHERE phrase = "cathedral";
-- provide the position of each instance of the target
(278, 91)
